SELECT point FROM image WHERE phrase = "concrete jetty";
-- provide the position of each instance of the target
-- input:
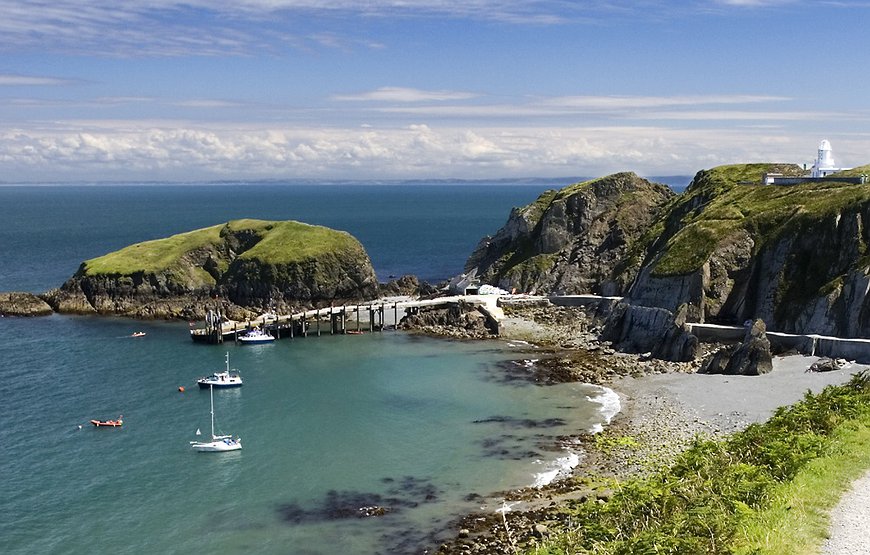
(371, 316)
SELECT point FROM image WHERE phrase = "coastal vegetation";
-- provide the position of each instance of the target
(765, 489)
(730, 199)
(571, 239)
(271, 242)
(249, 265)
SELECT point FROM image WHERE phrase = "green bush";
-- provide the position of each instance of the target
(698, 504)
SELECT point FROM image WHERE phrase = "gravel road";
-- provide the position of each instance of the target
(850, 532)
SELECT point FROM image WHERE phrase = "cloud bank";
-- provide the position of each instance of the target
(128, 151)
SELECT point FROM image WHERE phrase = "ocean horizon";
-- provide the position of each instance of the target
(428, 429)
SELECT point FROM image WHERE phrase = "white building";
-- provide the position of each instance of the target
(824, 165)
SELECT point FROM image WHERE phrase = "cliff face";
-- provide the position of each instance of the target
(733, 250)
(574, 240)
(246, 265)
(727, 250)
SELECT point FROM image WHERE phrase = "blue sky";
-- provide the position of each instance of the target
(384, 89)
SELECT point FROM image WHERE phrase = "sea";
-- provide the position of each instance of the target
(357, 444)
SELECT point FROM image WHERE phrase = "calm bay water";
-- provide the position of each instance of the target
(328, 424)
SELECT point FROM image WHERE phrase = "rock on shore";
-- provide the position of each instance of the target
(23, 304)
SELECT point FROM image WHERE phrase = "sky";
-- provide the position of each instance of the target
(93, 90)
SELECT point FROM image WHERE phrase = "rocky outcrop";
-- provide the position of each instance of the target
(576, 240)
(795, 257)
(750, 358)
(729, 249)
(659, 332)
(23, 304)
(407, 285)
(461, 319)
(242, 267)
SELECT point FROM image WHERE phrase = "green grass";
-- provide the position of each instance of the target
(153, 256)
(765, 490)
(727, 199)
(796, 521)
(274, 243)
(288, 242)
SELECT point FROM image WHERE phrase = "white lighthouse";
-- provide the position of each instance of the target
(824, 165)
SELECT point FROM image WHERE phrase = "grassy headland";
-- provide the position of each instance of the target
(727, 200)
(274, 243)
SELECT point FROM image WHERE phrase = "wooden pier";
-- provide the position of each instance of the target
(378, 315)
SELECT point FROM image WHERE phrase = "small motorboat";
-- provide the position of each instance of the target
(138, 334)
(108, 423)
(227, 378)
(255, 336)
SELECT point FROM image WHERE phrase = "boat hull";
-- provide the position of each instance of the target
(255, 341)
(218, 385)
(217, 446)
(107, 423)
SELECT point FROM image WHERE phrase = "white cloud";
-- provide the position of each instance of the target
(31, 80)
(203, 27)
(629, 102)
(182, 150)
(402, 94)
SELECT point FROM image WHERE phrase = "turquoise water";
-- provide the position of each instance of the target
(425, 428)
(328, 424)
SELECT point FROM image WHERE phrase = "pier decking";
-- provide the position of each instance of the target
(370, 316)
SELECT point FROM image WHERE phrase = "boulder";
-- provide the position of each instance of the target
(826, 364)
(642, 329)
(750, 358)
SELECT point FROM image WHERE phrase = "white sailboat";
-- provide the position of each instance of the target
(217, 443)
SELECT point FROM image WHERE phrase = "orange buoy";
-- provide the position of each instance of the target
(181, 388)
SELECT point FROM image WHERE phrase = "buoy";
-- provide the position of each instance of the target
(181, 388)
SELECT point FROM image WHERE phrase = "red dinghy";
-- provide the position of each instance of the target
(108, 423)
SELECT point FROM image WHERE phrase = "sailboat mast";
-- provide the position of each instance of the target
(211, 395)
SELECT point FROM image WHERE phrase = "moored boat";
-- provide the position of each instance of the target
(255, 336)
(221, 380)
(108, 423)
(217, 443)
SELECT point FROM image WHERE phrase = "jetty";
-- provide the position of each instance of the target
(370, 316)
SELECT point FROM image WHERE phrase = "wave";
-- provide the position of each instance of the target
(610, 407)
(559, 468)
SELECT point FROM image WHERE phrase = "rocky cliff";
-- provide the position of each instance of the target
(574, 240)
(732, 249)
(246, 265)
(727, 250)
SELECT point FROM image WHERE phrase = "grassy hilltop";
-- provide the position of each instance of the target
(729, 199)
(282, 242)
(251, 263)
